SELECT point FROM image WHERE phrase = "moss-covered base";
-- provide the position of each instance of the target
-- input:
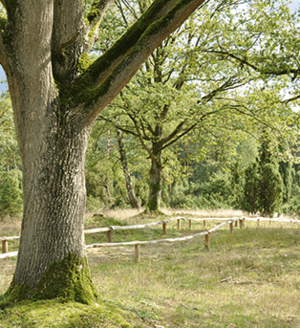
(59, 314)
(68, 279)
(153, 211)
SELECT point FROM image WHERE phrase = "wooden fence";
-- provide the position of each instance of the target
(229, 221)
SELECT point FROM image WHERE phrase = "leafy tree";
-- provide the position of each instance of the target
(9, 153)
(161, 105)
(251, 191)
(57, 91)
(263, 183)
(286, 169)
(270, 182)
(263, 39)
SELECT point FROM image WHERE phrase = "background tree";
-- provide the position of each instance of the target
(286, 170)
(264, 186)
(10, 175)
(10, 193)
(270, 182)
(135, 203)
(173, 93)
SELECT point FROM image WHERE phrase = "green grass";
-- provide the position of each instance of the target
(53, 314)
(250, 278)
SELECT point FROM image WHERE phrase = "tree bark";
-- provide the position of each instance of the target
(55, 101)
(155, 183)
(129, 187)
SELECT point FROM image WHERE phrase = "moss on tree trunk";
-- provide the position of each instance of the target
(68, 279)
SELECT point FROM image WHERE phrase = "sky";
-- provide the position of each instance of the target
(3, 86)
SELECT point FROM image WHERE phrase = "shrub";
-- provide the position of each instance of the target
(11, 200)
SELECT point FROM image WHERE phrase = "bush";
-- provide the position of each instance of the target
(93, 204)
(11, 198)
(271, 190)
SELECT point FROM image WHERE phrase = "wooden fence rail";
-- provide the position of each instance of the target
(137, 243)
(109, 230)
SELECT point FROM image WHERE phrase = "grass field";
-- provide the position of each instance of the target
(250, 278)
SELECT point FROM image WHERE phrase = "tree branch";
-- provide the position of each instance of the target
(142, 141)
(178, 137)
(227, 85)
(244, 61)
(144, 131)
(105, 64)
(174, 133)
(286, 101)
(123, 60)
(238, 108)
(97, 12)
(117, 126)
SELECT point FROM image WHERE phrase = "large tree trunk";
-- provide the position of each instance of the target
(56, 96)
(54, 206)
(52, 149)
(52, 143)
(129, 187)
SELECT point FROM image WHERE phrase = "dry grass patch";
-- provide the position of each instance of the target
(247, 279)
(10, 227)
(250, 278)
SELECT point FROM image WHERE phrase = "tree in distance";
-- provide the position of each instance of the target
(177, 90)
(263, 182)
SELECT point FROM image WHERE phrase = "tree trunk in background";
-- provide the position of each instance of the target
(129, 187)
(155, 183)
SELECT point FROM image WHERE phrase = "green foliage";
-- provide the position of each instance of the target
(9, 153)
(11, 202)
(251, 189)
(263, 183)
(84, 62)
(286, 170)
(188, 84)
(271, 188)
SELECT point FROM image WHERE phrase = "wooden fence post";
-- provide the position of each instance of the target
(231, 226)
(109, 235)
(206, 241)
(204, 223)
(258, 222)
(164, 228)
(178, 224)
(4, 246)
(241, 223)
(236, 223)
(244, 221)
(190, 224)
(137, 252)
